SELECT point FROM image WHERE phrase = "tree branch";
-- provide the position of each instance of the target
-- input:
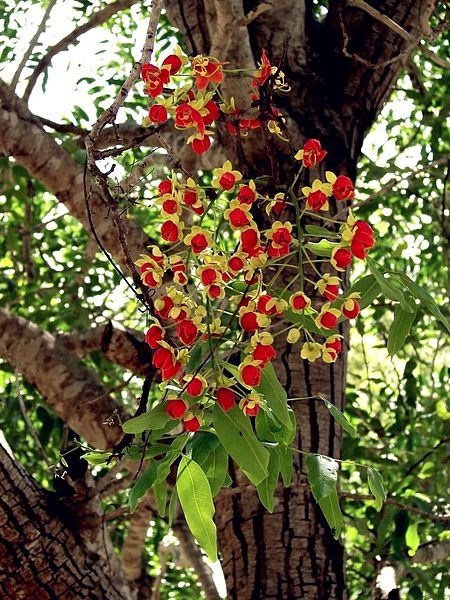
(423, 513)
(133, 546)
(72, 390)
(32, 44)
(124, 347)
(46, 160)
(192, 555)
(98, 18)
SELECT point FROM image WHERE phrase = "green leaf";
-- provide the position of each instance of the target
(389, 290)
(172, 504)
(332, 512)
(142, 485)
(153, 419)
(238, 438)
(322, 248)
(160, 493)
(196, 501)
(322, 475)
(267, 487)
(286, 464)
(376, 487)
(317, 230)
(203, 444)
(399, 330)
(270, 430)
(275, 395)
(418, 292)
(216, 468)
(96, 458)
(369, 289)
(412, 539)
(339, 416)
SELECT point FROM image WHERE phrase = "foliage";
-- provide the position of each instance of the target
(396, 404)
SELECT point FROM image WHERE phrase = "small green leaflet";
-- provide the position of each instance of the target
(216, 468)
(160, 492)
(142, 485)
(412, 539)
(339, 416)
(322, 248)
(389, 290)
(332, 512)
(376, 487)
(317, 230)
(275, 395)
(153, 419)
(422, 295)
(399, 330)
(196, 501)
(286, 464)
(369, 289)
(96, 458)
(267, 487)
(322, 475)
(238, 438)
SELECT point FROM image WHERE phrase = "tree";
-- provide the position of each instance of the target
(342, 64)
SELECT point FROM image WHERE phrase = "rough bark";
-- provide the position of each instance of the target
(46, 553)
(341, 70)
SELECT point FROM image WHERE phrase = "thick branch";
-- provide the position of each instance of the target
(98, 18)
(44, 159)
(71, 389)
(123, 347)
(431, 553)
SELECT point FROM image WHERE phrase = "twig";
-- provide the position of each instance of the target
(31, 45)
(396, 28)
(109, 115)
(29, 424)
(392, 502)
(99, 17)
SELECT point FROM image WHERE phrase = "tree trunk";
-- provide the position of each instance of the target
(46, 551)
(341, 70)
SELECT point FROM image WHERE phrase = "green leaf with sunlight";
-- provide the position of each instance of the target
(195, 497)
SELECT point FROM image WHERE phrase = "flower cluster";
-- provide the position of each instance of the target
(196, 105)
(214, 327)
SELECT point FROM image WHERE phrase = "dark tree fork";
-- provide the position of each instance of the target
(341, 70)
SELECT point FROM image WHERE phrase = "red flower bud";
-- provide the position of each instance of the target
(226, 398)
(175, 408)
(158, 114)
(351, 308)
(195, 387)
(200, 146)
(251, 375)
(343, 188)
(165, 187)
(264, 352)
(192, 425)
(187, 332)
(153, 336)
(249, 321)
(328, 320)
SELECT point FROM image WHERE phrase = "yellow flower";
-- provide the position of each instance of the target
(311, 351)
